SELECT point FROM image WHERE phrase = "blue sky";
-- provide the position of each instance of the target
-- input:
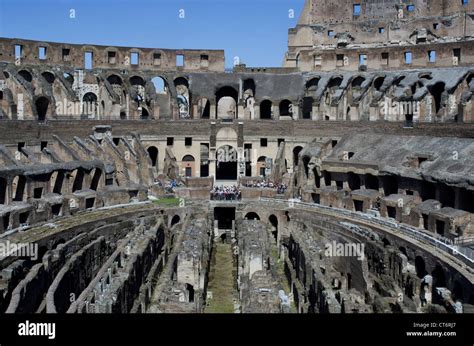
(254, 30)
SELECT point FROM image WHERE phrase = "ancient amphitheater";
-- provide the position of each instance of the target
(140, 180)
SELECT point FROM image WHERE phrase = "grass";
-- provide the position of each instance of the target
(221, 281)
(168, 202)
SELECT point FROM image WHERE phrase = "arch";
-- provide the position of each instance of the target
(161, 87)
(437, 91)
(249, 87)
(266, 109)
(378, 82)
(26, 75)
(188, 158)
(68, 78)
(252, 216)
(153, 154)
(296, 152)
(49, 77)
(175, 220)
(137, 80)
(114, 79)
(420, 267)
(335, 82)
(312, 85)
(357, 82)
(274, 222)
(89, 104)
(144, 113)
(183, 97)
(227, 99)
(42, 105)
(286, 108)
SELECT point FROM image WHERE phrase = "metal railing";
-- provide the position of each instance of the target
(463, 253)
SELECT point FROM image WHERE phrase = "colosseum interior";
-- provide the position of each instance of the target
(140, 180)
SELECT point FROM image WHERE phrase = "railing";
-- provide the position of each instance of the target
(444, 244)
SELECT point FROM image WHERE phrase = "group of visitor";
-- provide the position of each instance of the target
(281, 188)
(223, 193)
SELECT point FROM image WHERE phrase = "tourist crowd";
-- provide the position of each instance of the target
(281, 188)
(222, 193)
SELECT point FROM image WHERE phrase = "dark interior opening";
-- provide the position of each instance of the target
(58, 184)
(56, 209)
(392, 212)
(78, 181)
(224, 217)
(358, 205)
(90, 203)
(390, 185)
(266, 109)
(316, 198)
(6, 221)
(440, 227)
(3, 190)
(252, 216)
(20, 189)
(37, 192)
(307, 107)
(42, 105)
(23, 218)
(274, 222)
(190, 290)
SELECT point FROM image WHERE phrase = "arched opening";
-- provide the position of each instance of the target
(439, 280)
(144, 113)
(49, 77)
(296, 152)
(261, 166)
(312, 86)
(96, 179)
(386, 242)
(437, 93)
(26, 75)
(306, 160)
(227, 98)
(266, 109)
(160, 85)
(89, 104)
(183, 97)
(378, 82)
(335, 82)
(226, 163)
(190, 293)
(204, 108)
(252, 216)
(274, 222)
(114, 80)
(153, 154)
(175, 220)
(420, 267)
(69, 78)
(286, 108)
(42, 104)
(249, 87)
(357, 82)
(188, 165)
(137, 80)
